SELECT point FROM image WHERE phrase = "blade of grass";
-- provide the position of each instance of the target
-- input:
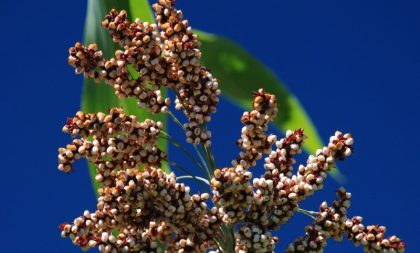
(141, 9)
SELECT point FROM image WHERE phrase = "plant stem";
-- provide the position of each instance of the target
(176, 165)
(176, 120)
(186, 152)
(307, 212)
(194, 177)
(209, 150)
(203, 161)
(227, 240)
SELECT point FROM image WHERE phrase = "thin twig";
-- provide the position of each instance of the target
(208, 159)
(176, 165)
(194, 177)
(176, 120)
(186, 152)
(307, 212)
(209, 150)
(203, 161)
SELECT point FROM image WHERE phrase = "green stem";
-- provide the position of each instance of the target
(186, 152)
(307, 212)
(203, 161)
(176, 165)
(193, 177)
(209, 150)
(227, 240)
(176, 120)
(208, 159)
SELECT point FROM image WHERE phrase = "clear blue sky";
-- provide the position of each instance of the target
(354, 65)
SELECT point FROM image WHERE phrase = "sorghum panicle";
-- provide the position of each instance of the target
(141, 208)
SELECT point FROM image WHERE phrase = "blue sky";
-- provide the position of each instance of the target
(353, 65)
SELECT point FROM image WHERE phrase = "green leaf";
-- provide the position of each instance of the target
(101, 97)
(240, 74)
(141, 9)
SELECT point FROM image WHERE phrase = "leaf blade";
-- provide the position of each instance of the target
(141, 9)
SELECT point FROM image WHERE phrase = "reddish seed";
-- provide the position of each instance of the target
(61, 227)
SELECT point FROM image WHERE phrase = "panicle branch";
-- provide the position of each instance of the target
(372, 237)
(332, 222)
(254, 142)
